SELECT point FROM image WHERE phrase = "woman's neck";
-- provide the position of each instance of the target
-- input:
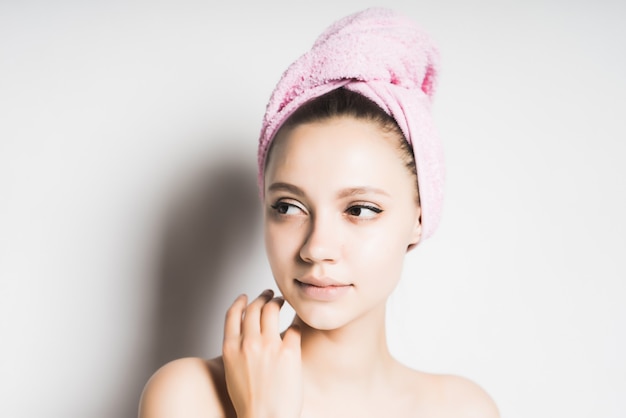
(355, 355)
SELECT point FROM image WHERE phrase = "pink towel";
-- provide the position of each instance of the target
(388, 59)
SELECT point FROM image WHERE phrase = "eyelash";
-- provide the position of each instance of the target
(368, 207)
(281, 204)
(276, 206)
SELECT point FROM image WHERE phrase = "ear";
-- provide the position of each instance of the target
(416, 232)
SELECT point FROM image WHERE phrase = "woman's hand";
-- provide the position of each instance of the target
(263, 371)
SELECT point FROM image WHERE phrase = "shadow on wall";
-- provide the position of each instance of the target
(212, 218)
(213, 222)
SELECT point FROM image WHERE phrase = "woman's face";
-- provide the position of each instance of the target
(340, 214)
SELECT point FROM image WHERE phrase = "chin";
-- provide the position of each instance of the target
(322, 317)
(320, 323)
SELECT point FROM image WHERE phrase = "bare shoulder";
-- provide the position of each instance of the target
(459, 397)
(447, 396)
(188, 387)
(467, 399)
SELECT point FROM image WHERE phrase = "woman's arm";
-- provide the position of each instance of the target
(260, 372)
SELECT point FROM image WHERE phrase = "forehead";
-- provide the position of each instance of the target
(342, 151)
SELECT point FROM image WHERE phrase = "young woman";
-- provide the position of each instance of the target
(350, 173)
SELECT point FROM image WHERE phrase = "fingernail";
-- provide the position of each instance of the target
(268, 292)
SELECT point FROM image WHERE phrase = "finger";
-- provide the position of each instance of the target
(291, 339)
(232, 323)
(252, 317)
(269, 317)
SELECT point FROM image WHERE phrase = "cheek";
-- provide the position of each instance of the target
(281, 246)
(380, 250)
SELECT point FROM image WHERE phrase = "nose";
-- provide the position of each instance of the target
(323, 241)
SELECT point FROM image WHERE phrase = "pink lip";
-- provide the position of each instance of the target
(323, 289)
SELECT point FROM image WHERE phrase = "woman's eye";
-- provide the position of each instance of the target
(363, 211)
(284, 208)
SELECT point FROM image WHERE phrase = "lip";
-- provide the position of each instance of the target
(320, 281)
(322, 288)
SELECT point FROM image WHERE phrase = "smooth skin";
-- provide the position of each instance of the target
(340, 216)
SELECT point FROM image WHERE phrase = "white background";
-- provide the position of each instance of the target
(129, 218)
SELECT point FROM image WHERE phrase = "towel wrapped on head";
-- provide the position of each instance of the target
(385, 57)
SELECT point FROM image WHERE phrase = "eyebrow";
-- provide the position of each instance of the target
(351, 191)
(285, 187)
